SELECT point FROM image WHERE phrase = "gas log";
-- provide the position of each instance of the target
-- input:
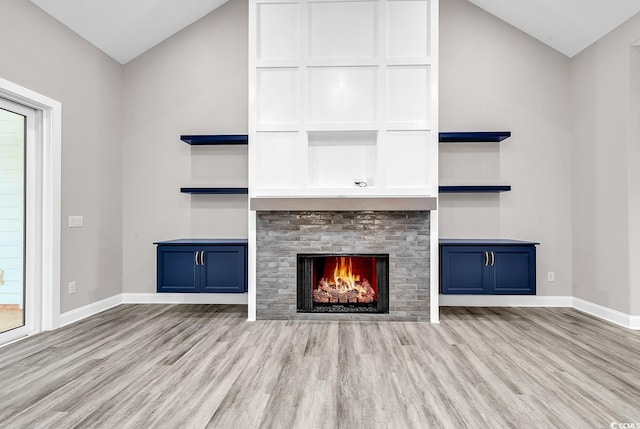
(342, 292)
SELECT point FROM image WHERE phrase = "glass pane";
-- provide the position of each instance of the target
(12, 202)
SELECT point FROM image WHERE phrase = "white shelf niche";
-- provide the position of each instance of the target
(277, 94)
(337, 159)
(280, 160)
(408, 29)
(277, 31)
(342, 94)
(407, 156)
(343, 29)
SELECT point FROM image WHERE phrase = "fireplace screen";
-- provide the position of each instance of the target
(343, 283)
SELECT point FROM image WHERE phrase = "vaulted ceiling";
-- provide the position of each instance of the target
(125, 29)
(568, 26)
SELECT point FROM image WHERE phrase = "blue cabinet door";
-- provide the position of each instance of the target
(463, 270)
(177, 270)
(488, 270)
(514, 270)
(224, 269)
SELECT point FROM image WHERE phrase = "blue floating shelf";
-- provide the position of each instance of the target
(474, 189)
(219, 191)
(480, 136)
(218, 139)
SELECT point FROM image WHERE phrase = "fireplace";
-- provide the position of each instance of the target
(286, 242)
(343, 283)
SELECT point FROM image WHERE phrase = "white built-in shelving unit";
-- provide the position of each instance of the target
(342, 92)
(343, 101)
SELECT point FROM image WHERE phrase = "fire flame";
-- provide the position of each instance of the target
(345, 286)
(343, 274)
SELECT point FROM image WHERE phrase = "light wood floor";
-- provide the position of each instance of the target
(197, 366)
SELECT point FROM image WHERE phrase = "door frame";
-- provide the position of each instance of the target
(49, 138)
(31, 300)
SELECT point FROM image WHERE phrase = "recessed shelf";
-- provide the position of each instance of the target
(219, 191)
(338, 159)
(474, 136)
(474, 189)
(217, 139)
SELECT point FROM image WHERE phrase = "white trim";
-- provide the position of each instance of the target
(343, 203)
(434, 153)
(505, 301)
(29, 298)
(89, 310)
(434, 272)
(599, 311)
(150, 298)
(608, 314)
(252, 311)
(51, 138)
(184, 298)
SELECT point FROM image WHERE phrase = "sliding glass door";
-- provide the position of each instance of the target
(16, 129)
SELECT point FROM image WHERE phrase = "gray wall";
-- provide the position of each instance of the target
(605, 83)
(43, 55)
(495, 77)
(193, 83)
(492, 77)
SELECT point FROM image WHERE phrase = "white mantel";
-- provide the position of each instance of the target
(342, 203)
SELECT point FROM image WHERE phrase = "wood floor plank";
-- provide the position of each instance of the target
(205, 366)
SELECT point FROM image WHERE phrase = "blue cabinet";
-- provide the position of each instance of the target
(202, 266)
(487, 267)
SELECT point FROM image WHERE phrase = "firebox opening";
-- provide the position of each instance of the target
(343, 283)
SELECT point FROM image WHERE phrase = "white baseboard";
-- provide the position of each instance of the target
(150, 298)
(608, 314)
(89, 310)
(185, 298)
(605, 313)
(599, 311)
(505, 301)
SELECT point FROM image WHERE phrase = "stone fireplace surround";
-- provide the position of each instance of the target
(404, 235)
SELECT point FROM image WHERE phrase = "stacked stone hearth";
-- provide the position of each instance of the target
(282, 235)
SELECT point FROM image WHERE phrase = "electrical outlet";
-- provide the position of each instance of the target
(551, 276)
(72, 288)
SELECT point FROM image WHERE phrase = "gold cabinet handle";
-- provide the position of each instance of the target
(493, 258)
(486, 258)
(197, 257)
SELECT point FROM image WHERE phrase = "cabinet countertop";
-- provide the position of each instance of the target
(202, 241)
(484, 242)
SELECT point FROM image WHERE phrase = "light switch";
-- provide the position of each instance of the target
(76, 221)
